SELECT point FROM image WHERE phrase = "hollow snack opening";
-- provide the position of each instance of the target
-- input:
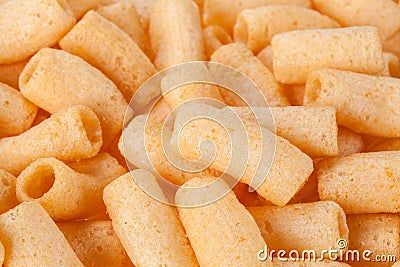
(40, 182)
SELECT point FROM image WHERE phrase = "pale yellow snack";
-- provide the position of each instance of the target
(311, 226)
(214, 37)
(16, 112)
(68, 192)
(9, 73)
(349, 142)
(54, 79)
(8, 199)
(238, 56)
(31, 238)
(379, 233)
(119, 57)
(298, 53)
(383, 14)
(311, 129)
(124, 15)
(224, 12)
(365, 104)
(256, 27)
(265, 56)
(80, 7)
(29, 25)
(222, 233)
(142, 145)
(71, 134)
(361, 183)
(278, 168)
(95, 243)
(149, 230)
(143, 8)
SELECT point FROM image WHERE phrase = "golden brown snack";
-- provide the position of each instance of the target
(95, 243)
(298, 53)
(8, 199)
(29, 25)
(53, 80)
(256, 27)
(31, 238)
(365, 104)
(291, 227)
(68, 192)
(232, 239)
(379, 233)
(149, 230)
(71, 134)
(361, 183)
(16, 112)
(9, 73)
(119, 57)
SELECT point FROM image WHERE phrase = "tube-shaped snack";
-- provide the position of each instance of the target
(312, 129)
(119, 57)
(391, 44)
(124, 15)
(232, 239)
(31, 238)
(308, 193)
(238, 56)
(394, 64)
(361, 183)
(71, 134)
(224, 12)
(386, 145)
(95, 243)
(177, 37)
(9, 73)
(298, 53)
(80, 7)
(68, 193)
(176, 34)
(383, 14)
(8, 199)
(365, 104)
(349, 142)
(149, 230)
(278, 180)
(16, 112)
(214, 38)
(143, 9)
(142, 145)
(256, 27)
(265, 56)
(290, 227)
(379, 233)
(53, 80)
(29, 25)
